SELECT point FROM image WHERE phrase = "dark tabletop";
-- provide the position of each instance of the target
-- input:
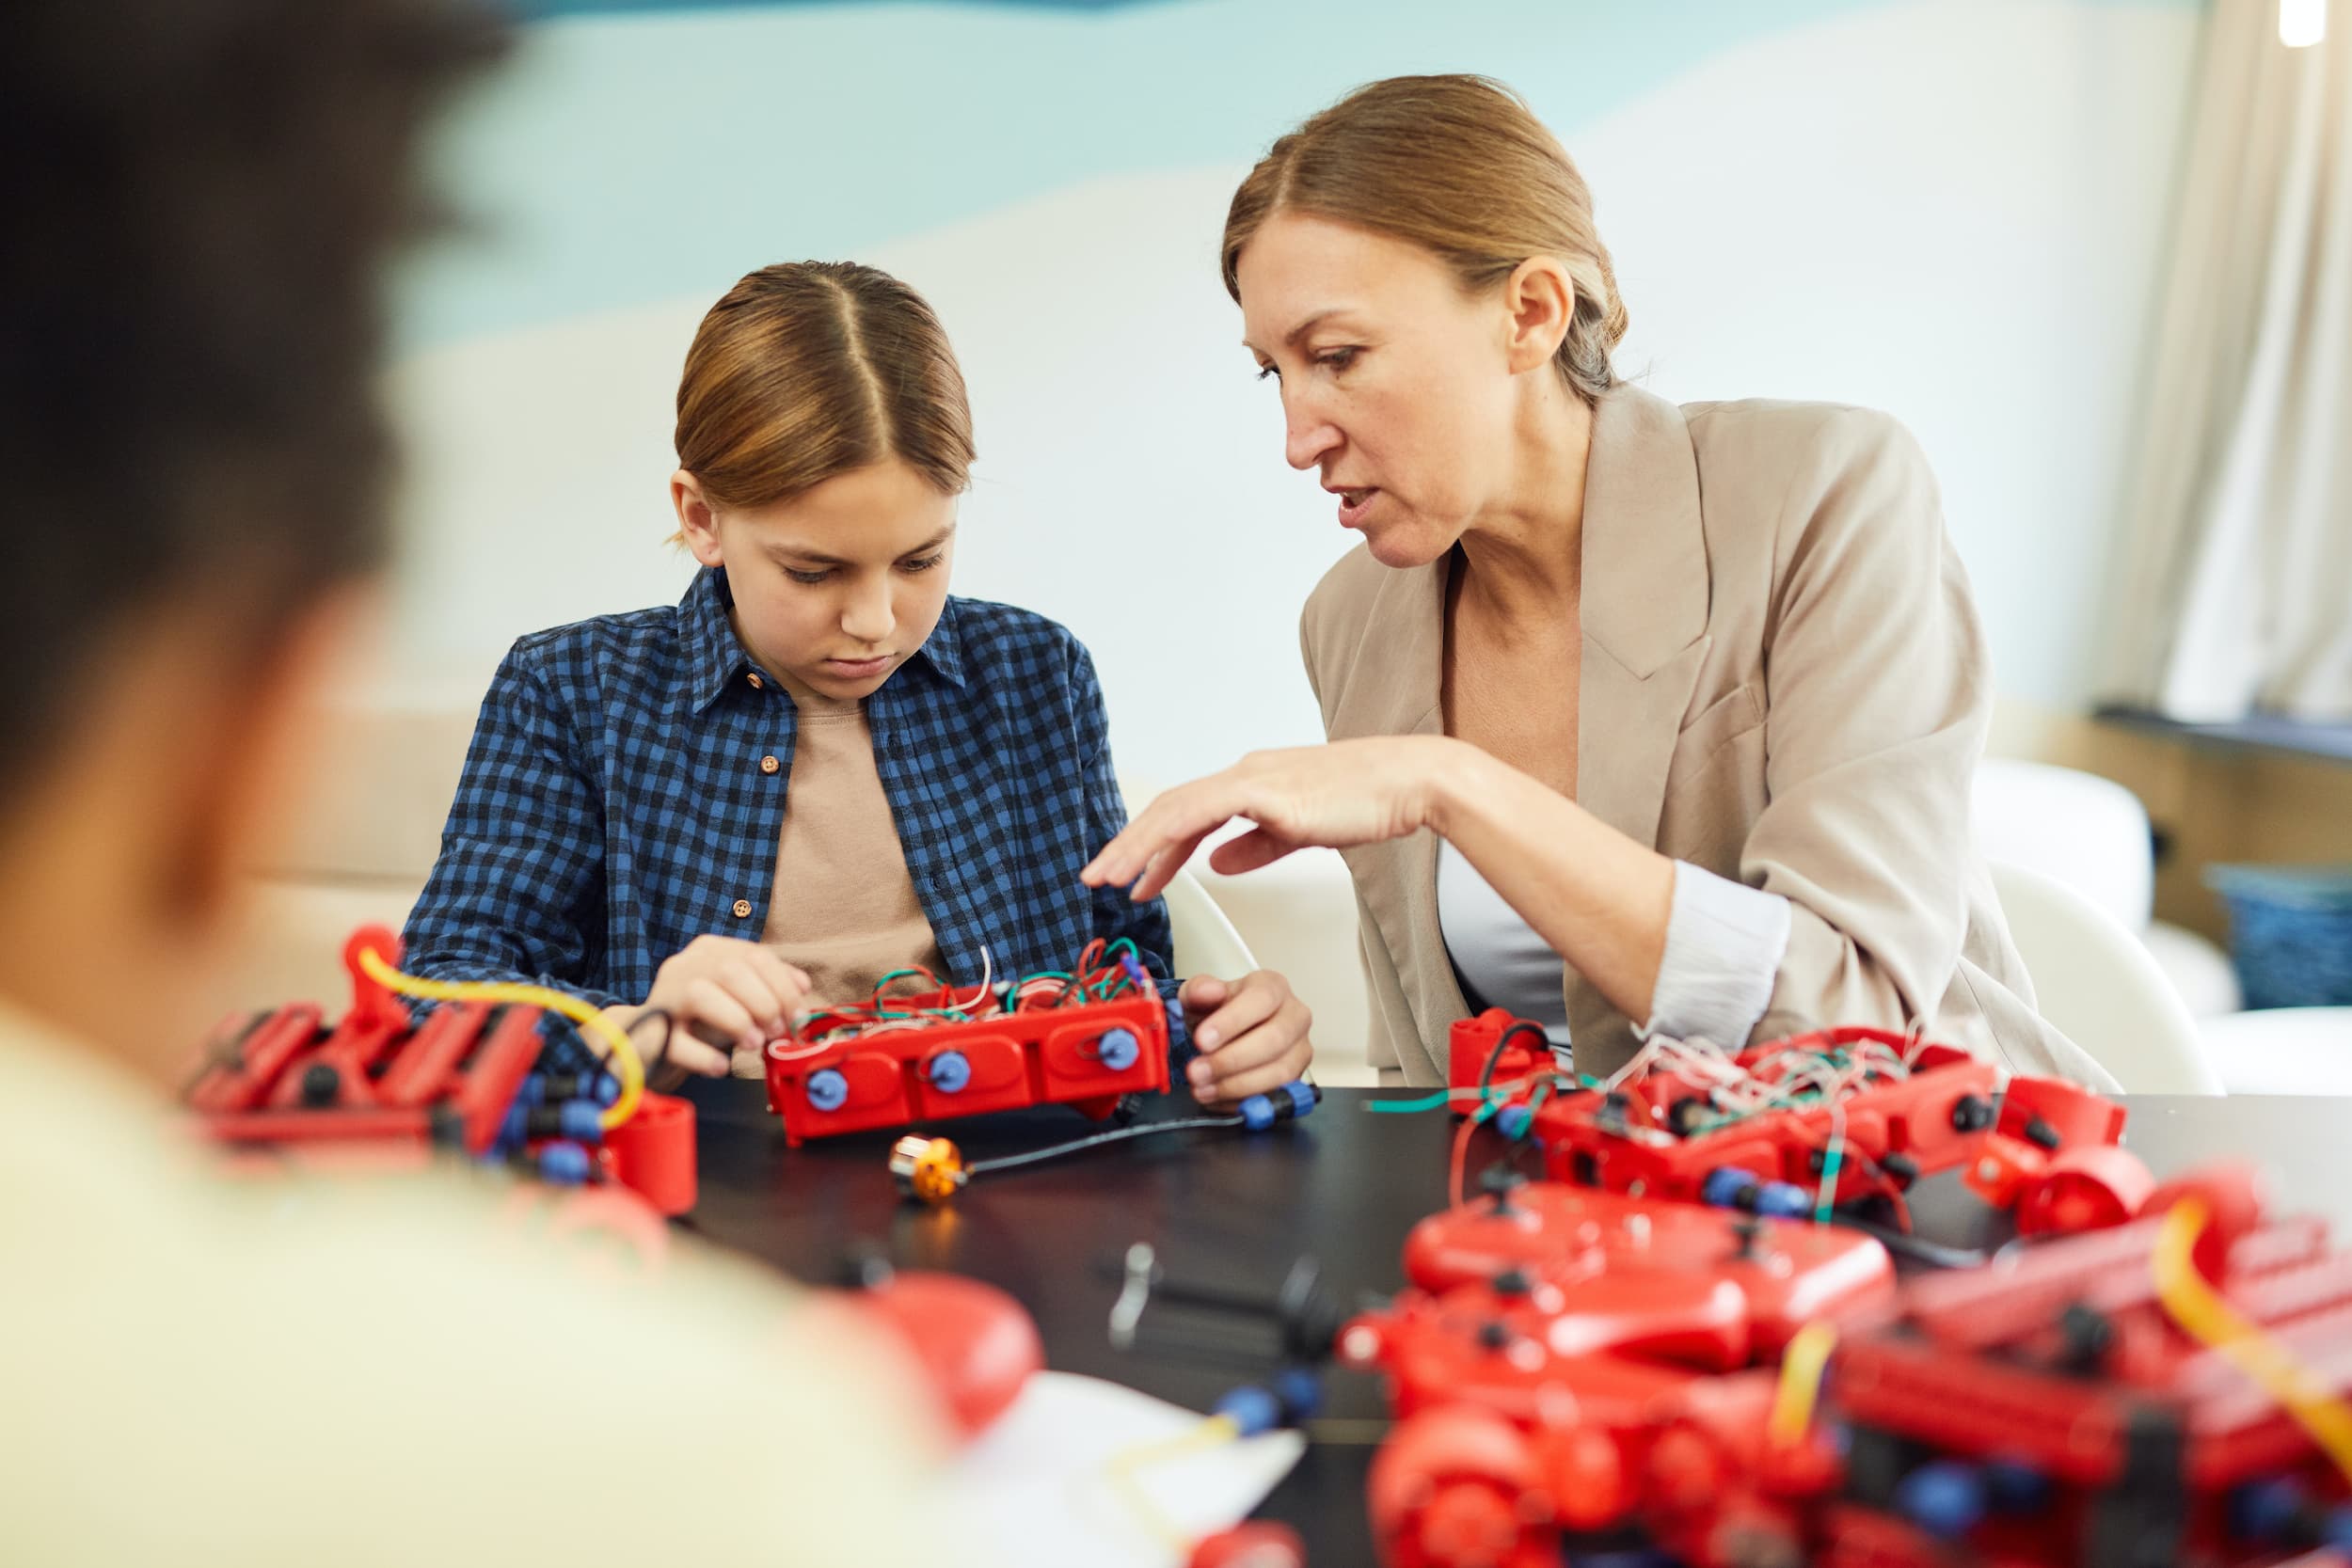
(1235, 1211)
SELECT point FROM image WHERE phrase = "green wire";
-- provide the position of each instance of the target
(1829, 1181)
(1406, 1107)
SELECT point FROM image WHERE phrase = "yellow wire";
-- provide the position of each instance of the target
(625, 1063)
(2210, 1320)
(1801, 1367)
(1123, 1466)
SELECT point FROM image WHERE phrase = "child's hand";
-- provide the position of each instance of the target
(1251, 1034)
(722, 992)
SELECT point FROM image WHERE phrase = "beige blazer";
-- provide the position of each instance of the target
(1784, 682)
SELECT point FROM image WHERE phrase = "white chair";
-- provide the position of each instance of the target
(2092, 835)
(2094, 980)
(1297, 917)
(1206, 942)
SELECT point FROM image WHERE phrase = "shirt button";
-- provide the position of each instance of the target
(769, 765)
(757, 685)
(742, 908)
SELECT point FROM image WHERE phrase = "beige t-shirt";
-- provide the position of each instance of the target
(384, 1373)
(844, 908)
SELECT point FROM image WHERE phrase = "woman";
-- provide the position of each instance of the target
(819, 768)
(1689, 697)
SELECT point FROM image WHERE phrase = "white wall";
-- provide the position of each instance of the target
(1949, 208)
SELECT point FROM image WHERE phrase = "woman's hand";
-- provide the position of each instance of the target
(721, 992)
(1334, 796)
(1251, 1034)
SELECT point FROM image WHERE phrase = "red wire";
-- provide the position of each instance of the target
(1087, 971)
(1503, 1094)
(1461, 1147)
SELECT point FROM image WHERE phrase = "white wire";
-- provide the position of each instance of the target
(1773, 1081)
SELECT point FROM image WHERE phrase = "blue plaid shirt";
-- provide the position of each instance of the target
(613, 806)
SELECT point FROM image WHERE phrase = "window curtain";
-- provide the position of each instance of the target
(2236, 540)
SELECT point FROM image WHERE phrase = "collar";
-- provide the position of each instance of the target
(1646, 588)
(715, 656)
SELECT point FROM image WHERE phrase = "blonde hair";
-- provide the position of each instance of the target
(1461, 166)
(808, 370)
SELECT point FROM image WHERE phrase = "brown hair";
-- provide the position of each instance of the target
(808, 370)
(1461, 166)
(203, 202)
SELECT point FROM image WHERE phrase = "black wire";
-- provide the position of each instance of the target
(1140, 1131)
(1519, 1026)
(1903, 1244)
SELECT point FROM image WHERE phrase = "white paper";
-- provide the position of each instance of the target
(1041, 1485)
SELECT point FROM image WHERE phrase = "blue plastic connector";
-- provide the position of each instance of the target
(950, 1071)
(512, 1130)
(1945, 1499)
(1727, 1186)
(1300, 1393)
(2016, 1486)
(2265, 1509)
(1785, 1199)
(1253, 1409)
(1293, 1099)
(565, 1165)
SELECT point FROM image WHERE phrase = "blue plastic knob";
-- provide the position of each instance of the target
(951, 1071)
(827, 1090)
(1783, 1198)
(1119, 1048)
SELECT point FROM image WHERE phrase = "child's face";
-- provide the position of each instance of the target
(834, 588)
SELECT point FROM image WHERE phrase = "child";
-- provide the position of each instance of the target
(269, 1374)
(819, 768)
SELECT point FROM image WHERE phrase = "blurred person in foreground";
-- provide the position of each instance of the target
(200, 202)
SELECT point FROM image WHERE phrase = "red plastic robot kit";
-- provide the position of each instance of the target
(477, 1076)
(2168, 1391)
(1607, 1356)
(1086, 1039)
(1813, 1124)
(1667, 1352)
(1545, 1329)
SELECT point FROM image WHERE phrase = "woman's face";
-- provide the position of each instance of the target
(835, 588)
(1397, 387)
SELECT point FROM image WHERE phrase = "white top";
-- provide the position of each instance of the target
(1723, 945)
